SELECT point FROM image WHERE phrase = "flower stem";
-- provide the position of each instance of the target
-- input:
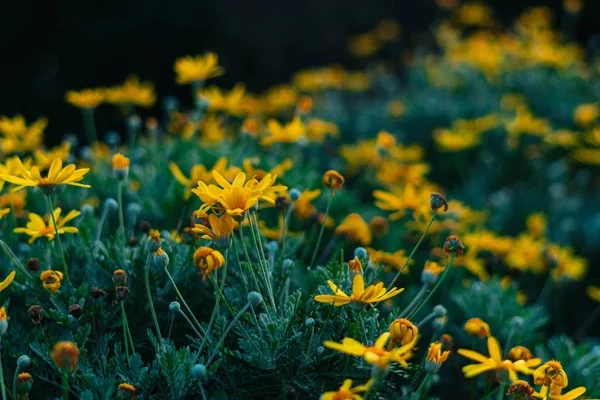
(129, 332)
(237, 257)
(149, 294)
(121, 220)
(437, 285)
(248, 260)
(233, 322)
(65, 384)
(262, 261)
(125, 339)
(89, 124)
(191, 324)
(2, 388)
(14, 258)
(500, 392)
(185, 304)
(414, 301)
(60, 246)
(316, 250)
(412, 253)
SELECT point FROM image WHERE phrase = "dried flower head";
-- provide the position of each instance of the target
(35, 314)
(355, 266)
(33, 265)
(454, 245)
(520, 388)
(119, 277)
(96, 292)
(75, 310)
(65, 355)
(121, 293)
(438, 201)
(333, 180)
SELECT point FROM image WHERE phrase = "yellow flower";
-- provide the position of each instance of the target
(5, 283)
(553, 379)
(372, 294)
(355, 229)
(355, 266)
(18, 137)
(435, 357)
(364, 45)
(586, 156)
(197, 173)
(303, 207)
(431, 271)
(474, 14)
(394, 260)
(219, 227)
(520, 353)
(401, 200)
(593, 293)
(237, 197)
(231, 102)
(208, 260)
(347, 392)
(279, 98)
(4, 211)
(586, 114)
(65, 355)
(448, 140)
(119, 162)
(57, 175)
(402, 332)
(317, 129)
(199, 68)
(566, 264)
(51, 280)
(536, 225)
(526, 254)
(476, 327)
(131, 92)
(333, 180)
(36, 227)
(488, 241)
(87, 98)
(3, 321)
(374, 354)
(495, 362)
(44, 159)
(292, 132)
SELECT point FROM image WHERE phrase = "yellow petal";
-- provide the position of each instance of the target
(382, 340)
(494, 349)
(4, 284)
(358, 285)
(473, 355)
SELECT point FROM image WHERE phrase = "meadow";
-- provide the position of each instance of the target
(424, 227)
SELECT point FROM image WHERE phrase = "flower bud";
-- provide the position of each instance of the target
(281, 202)
(440, 311)
(320, 350)
(65, 355)
(125, 391)
(154, 241)
(96, 292)
(75, 310)
(133, 210)
(454, 245)
(431, 272)
(87, 210)
(295, 194)
(287, 263)
(360, 252)
(199, 371)
(112, 138)
(439, 323)
(254, 298)
(35, 314)
(520, 353)
(23, 362)
(160, 259)
(517, 323)
(174, 307)
(272, 246)
(24, 383)
(119, 277)
(309, 322)
(355, 266)
(111, 204)
(476, 327)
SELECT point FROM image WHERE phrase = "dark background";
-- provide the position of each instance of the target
(49, 47)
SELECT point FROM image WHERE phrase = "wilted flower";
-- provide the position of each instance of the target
(333, 180)
(435, 357)
(35, 314)
(402, 332)
(454, 245)
(208, 260)
(355, 266)
(51, 280)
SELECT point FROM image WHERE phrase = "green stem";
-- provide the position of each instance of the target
(185, 304)
(14, 258)
(191, 324)
(437, 285)
(233, 322)
(362, 324)
(17, 370)
(316, 250)
(129, 333)
(101, 225)
(149, 294)
(248, 260)
(500, 392)
(262, 262)
(414, 301)
(220, 294)
(123, 319)
(65, 384)
(89, 124)
(2, 377)
(60, 246)
(237, 257)
(412, 253)
(121, 220)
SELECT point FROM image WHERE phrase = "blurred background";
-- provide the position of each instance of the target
(53, 46)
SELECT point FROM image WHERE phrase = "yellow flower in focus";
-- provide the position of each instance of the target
(6, 282)
(51, 280)
(375, 354)
(593, 293)
(57, 175)
(372, 294)
(435, 357)
(586, 114)
(476, 327)
(65, 355)
(86, 99)
(199, 68)
(448, 140)
(347, 392)
(292, 132)
(208, 260)
(17, 137)
(402, 332)
(220, 227)
(495, 362)
(36, 227)
(355, 229)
